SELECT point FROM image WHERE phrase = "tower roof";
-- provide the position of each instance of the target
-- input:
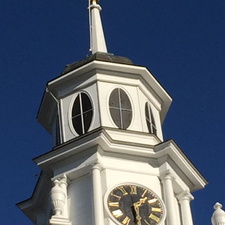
(100, 56)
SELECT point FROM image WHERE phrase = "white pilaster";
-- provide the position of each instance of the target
(169, 198)
(97, 195)
(97, 39)
(184, 200)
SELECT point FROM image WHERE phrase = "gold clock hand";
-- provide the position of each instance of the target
(140, 202)
(147, 222)
(137, 209)
(137, 214)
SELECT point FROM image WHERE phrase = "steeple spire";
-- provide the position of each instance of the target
(97, 39)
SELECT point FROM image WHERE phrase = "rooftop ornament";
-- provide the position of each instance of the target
(218, 217)
(97, 39)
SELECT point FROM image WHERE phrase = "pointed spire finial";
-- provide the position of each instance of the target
(97, 1)
(97, 39)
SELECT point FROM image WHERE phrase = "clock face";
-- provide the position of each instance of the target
(130, 204)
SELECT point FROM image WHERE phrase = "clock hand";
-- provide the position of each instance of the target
(136, 206)
(140, 202)
(147, 222)
(137, 214)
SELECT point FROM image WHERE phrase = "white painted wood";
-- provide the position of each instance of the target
(218, 217)
(97, 35)
(126, 156)
(184, 200)
(97, 195)
(80, 195)
(169, 199)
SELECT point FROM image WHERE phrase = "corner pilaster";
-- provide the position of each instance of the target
(97, 195)
(167, 179)
(184, 200)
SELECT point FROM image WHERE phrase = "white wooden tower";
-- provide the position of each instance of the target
(109, 164)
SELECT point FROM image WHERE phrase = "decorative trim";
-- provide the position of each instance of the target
(59, 221)
(58, 197)
(186, 195)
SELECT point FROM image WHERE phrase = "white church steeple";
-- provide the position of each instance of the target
(97, 39)
(110, 164)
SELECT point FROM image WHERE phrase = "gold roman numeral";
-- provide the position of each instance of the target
(116, 196)
(133, 190)
(114, 204)
(117, 213)
(156, 210)
(126, 221)
(155, 218)
(144, 193)
(151, 201)
(122, 189)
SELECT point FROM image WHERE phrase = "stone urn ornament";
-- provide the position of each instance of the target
(57, 198)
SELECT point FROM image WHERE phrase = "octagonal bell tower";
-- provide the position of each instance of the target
(104, 90)
(109, 164)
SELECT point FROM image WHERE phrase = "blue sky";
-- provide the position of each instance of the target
(181, 43)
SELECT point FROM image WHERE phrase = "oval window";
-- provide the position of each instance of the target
(150, 119)
(120, 108)
(82, 113)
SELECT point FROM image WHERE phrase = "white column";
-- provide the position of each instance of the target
(97, 195)
(169, 198)
(184, 200)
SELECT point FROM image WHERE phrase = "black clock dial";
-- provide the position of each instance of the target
(135, 205)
